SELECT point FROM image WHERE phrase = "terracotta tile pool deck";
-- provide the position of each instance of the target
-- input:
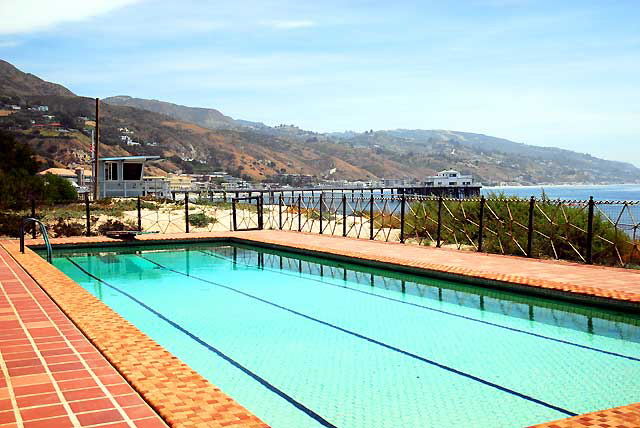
(66, 359)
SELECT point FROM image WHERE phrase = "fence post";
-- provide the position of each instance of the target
(33, 215)
(299, 212)
(321, 200)
(590, 231)
(371, 217)
(87, 213)
(233, 217)
(280, 212)
(481, 224)
(344, 214)
(173, 194)
(139, 216)
(186, 211)
(438, 235)
(402, 201)
(532, 207)
(261, 213)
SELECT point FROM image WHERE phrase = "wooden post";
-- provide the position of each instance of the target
(532, 206)
(590, 231)
(87, 213)
(299, 213)
(481, 224)
(344, 215)
(186, 212)
(371, 217)
(235, 221)
(321, 200)
(139, 216)
(96, 152)
(439, 233)
(280, 212)
(402, 201)
(261, 212)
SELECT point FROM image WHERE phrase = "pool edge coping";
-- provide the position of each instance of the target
(153, 372)
(539, 287)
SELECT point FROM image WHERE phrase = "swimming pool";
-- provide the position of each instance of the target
(304, 342)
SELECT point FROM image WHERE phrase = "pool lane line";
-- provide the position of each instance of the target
(374, 341)
(211, 348)
(566, 342)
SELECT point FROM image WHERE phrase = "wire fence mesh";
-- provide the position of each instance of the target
(587, 231)
(602, 232)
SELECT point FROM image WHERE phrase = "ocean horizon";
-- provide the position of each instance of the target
(604, 192)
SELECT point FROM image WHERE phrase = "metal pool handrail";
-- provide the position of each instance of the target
(43, 230)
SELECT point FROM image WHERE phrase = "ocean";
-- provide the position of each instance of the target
(613, 192)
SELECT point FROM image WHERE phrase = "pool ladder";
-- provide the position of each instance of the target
(43, 230)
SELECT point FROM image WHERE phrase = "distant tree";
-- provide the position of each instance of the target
(67, 121)
(18, 180)
(57, 189)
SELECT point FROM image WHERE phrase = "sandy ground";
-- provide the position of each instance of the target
(169, 218)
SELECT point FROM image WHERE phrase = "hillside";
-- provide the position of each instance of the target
(204, 140)
(207, 117)
(14, 82)
(492, 159)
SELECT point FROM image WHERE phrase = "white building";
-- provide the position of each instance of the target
(156, 185)
(121, 177)
(449, 178)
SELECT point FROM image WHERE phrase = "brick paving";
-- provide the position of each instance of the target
(176, 392)
(614, 285)
(182, 397)
(50, 374)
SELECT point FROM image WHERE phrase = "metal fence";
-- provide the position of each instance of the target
(602, 232)
(587, 231)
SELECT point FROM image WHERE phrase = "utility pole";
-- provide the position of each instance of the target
(96, 152)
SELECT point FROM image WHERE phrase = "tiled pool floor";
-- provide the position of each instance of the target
(592, 281)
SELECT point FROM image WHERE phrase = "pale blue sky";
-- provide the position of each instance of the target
(553, 73)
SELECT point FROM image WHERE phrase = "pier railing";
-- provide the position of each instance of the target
(586, 231)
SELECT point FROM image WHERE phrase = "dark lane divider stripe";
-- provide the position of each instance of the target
(376, 342)
(566, 342)
(231, 361)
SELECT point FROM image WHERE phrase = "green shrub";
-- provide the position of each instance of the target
(10, 223)
(115, 225)
(559, 229)
(65, 227)
(200, 220)
(58, 190)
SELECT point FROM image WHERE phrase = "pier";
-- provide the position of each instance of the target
(458, 192)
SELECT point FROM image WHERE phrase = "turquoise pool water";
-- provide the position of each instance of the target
(306, 342)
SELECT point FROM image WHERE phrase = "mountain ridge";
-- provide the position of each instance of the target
(14, 82)
(260, 152)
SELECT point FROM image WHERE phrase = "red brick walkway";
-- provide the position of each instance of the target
(51, 376)
(596, 281)
(607, 283)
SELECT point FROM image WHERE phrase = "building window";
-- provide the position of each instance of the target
(132, 171)
(452, 183)
(111, 171)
